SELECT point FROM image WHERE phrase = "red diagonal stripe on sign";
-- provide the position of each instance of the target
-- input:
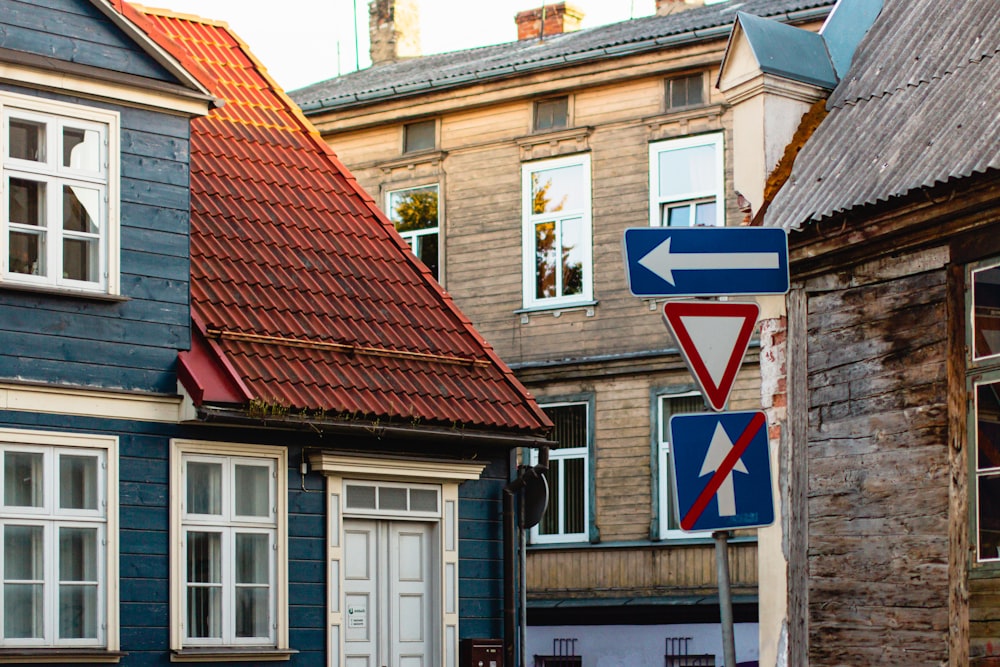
(740, 446)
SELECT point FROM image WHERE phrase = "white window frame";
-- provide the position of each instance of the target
(557, 459)
(50, 517)
(415, 237)
(656, 202)
(107, 181)
(530, 219)
(665, 484)
(275, 525)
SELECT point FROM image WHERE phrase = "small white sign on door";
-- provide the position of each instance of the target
(357, 617)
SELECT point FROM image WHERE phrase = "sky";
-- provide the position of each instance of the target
(306, 41)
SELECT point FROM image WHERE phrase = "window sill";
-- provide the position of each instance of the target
(589, 308)
(63, 291)
(60, 656)
(231, 654)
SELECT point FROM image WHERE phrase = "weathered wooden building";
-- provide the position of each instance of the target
(513, 171)
(891, 196)
(239, 422)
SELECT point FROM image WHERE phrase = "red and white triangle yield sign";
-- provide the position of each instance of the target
(713, 337)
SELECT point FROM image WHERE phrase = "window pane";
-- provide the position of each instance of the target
(573, 494)
(551, 114)
(989, 517)
(423, 500)
(81, 209)
(204, 612)
(27, 253)
(360, 497)
(559, 189)
(252, 558)
(82, 149)
(704, 214)
(204, 558)
(572, 256)
(685, 91)
(252, 612)
(80, 259)
(427, 251)
(986, 312)
(27, 140)
(415, 209)
(23, 481)
(78, 482)
(23, 611)
(24, 549)
(678, 216)
(78, 554)
(391, 498)
(549, 525)
(253, 485)
(545, 260)
(204, 488)
(419, 136)
(687, 170)
(570, 422)
(23, 553)
(988, 426)
(27, 202)
(78, 612)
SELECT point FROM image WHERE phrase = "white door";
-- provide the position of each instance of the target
(389, 596)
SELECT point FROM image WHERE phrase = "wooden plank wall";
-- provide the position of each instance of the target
(879, 473)
(130, 344)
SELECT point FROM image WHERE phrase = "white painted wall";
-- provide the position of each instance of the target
(638, 645)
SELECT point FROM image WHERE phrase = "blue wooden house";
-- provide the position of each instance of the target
(239, 421)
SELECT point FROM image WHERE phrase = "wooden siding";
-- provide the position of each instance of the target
(73, 31)
(130, 344)
(879, 470)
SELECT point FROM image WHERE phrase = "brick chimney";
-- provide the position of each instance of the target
(555, 19)
(394, 30)
(664, 7)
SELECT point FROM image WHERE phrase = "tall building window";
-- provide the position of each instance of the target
(567, 516)
(59, 534)
(420, 136)
(228, 509)
(552, 114)
(416, 214)
(60, 185)
(684, 92)
(984, 382)
(667, 406)
(557, 231)
(686, 182)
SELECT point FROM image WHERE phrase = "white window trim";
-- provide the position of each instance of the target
(181, 450)
(667, 501)
(110, 280)
(528, 233)
(448, 475)
(411, 237)
(556, 457)
(108, 635)
(655, 202)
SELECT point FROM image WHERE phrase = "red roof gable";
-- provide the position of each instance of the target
(301, 289)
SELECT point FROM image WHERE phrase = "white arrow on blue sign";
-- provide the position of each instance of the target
(706, 261)
(722, 470)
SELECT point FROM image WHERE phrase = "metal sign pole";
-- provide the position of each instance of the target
(725, 597)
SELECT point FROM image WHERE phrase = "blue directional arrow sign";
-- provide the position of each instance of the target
(721, 470)
(706, 261)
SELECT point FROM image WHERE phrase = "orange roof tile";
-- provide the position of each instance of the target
(300, 285)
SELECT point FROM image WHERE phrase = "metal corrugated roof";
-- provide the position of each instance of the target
(787, 51)
(302, 287)
(458, 68)
(918, 107)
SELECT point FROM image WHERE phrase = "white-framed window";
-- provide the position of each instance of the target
(416, 214)
(668, 405)
(60, 540)
(557, 231)
(229, 572)
(686, 182)
(983, 372)
(567, 515)
(59, 210)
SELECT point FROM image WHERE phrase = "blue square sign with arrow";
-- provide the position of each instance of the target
(722, 470)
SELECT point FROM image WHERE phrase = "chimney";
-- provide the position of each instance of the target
(664, 7)
(394, 29)
(548, 20)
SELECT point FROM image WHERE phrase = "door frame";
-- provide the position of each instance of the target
(445, 474)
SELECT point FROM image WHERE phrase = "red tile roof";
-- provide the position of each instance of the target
(303, 295)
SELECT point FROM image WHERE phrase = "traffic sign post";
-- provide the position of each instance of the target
(713, 337)
(706, 261)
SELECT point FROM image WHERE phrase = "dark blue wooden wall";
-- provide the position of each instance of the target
(74, 31)
(129, 344)
(480, 552)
